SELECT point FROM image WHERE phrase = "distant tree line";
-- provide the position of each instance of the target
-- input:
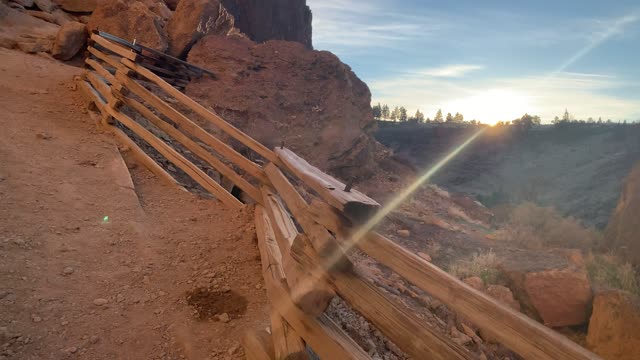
(526, 122)
(399, 113)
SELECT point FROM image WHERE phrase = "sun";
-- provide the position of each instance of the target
(493, 105)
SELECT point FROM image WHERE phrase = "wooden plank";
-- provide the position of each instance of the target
(286, 341)
(309, 288)
(324, 243)
(101, 70)
(192, 128)
(515, 330)
(258, 346)
(113, 47)
(137, 152)
(178, 160)
(284, 228)
(99, 84)
(418, 339)
(143, 158)
(322, 334)
(92, 95)
(198, 150)
(109, 60)
(354, 205)
(202, 111)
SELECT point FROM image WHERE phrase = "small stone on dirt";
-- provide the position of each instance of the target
(43, 136)
(100, 302)
(94, 339)
(224, 317)
(36, 318)
(72, 350)
(68, 271)
(425, 256)
(404, 233)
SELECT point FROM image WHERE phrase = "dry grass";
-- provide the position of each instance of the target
(607, 270)
(483, 265)
(534, 227)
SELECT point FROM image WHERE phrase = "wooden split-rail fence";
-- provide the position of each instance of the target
(298, 235)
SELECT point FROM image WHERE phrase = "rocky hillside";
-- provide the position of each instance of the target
(578, 170)
(153, 24)
(623, 231)
(281, 92)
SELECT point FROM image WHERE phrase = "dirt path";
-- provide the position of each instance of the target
(91, 268)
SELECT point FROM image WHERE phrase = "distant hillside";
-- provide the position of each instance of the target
(578, 169)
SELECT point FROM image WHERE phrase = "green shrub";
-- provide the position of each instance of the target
(606, 270)
(484, 265)
(534, 227)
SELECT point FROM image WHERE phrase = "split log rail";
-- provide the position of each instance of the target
(297, 235)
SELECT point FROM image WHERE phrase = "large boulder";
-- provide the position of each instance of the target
(45, 5)
(553, 286)
(282, 92)
(623, 232)
(614, 326)
(259, 20)
(263, 20)
(130, 20)
(71, 38)
(192, 20)
(27, 33)
(78, 5)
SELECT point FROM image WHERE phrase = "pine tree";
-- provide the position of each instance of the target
(377, 111)
(438, 117)
(385, 111)
(449, 117)
(419, 116)
(402, 114)
(395, 113)
(458, 118)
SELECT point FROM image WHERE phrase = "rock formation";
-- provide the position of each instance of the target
(623, 232)
(130, 20)
(194, 19)
(70, 39)
(613, 328)
(260, 21)
(282, 92)
(551, 285)
(77, 5)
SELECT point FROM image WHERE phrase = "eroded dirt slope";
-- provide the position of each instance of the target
(76, 284)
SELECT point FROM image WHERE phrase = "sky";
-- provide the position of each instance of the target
(490, 60)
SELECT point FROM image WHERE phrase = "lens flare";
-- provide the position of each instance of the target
(363, 230)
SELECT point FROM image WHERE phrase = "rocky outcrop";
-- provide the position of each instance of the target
(70, 39)
(263, 20)
(260, 21)
(130, 20)
(282, 92)
(27, 33)
(78, 5)
(553, 286)
(192, 20)
(45, 5)
(613, 328)
(623, 232)
(504, 295)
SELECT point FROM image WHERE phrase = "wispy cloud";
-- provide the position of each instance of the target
(617, 27)
(451, 71)
(364, 24)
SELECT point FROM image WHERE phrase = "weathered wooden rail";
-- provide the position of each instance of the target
(304, 267)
